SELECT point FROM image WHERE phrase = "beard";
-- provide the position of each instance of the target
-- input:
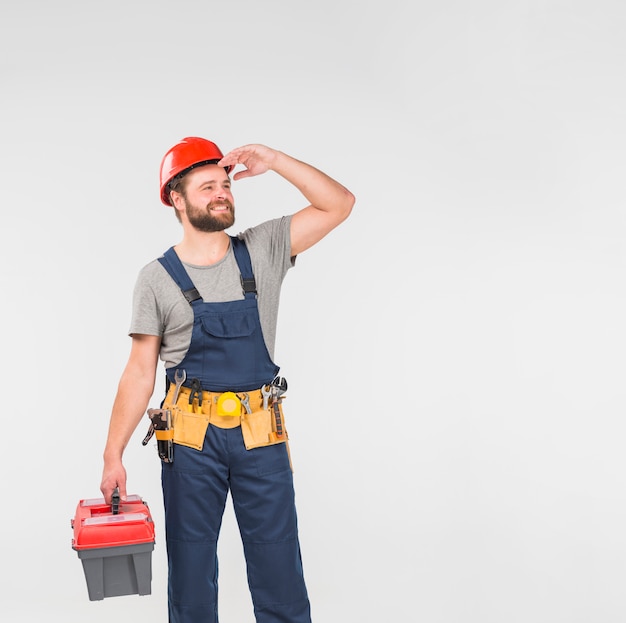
(204, 220)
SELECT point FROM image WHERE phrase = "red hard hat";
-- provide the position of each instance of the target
(188, 153)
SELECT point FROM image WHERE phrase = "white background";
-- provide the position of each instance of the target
(454, 351)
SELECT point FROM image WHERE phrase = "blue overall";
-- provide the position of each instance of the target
(228, 353)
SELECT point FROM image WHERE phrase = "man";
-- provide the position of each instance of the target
(208, 308)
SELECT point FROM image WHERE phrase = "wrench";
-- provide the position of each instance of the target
(278, 420)
(278, 388)
(266, 395)
(179, 376)
(245, 401)
(280, 382)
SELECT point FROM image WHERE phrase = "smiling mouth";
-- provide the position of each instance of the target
(220, 207)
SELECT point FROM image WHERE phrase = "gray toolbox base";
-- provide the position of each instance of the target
(115, 571)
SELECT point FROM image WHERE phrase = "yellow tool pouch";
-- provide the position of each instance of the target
(259, 428)
(190, 422)
(189, 427)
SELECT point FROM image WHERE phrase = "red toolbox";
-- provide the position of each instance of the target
(115, 544)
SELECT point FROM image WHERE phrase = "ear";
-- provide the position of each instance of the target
(178, 201)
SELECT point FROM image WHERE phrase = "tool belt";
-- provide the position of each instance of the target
(195, 410)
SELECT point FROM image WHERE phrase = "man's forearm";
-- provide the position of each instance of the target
(129, 407)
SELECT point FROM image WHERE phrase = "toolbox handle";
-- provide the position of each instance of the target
(115, 501)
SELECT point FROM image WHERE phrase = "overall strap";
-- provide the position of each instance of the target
(172, 264)
(242, 256)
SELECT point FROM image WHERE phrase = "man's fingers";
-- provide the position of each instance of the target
(113, 481)
(235, 156)
(241, 174)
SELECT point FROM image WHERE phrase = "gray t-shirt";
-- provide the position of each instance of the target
(159, 307)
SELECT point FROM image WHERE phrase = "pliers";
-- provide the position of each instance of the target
(196, 391)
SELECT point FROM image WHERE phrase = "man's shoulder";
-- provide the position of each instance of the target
(265, 239)
(151, 271)
(273, 228)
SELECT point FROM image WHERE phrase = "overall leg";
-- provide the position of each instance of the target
(195, 487)
(263, 499)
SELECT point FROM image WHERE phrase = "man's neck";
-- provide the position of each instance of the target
(203, 248)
